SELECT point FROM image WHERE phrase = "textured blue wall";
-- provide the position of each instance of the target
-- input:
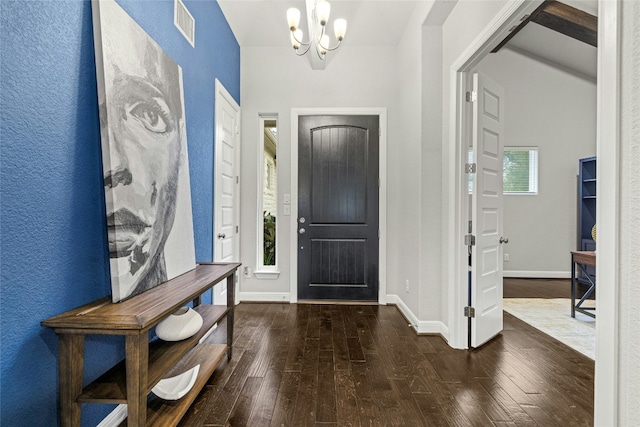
(53, 250)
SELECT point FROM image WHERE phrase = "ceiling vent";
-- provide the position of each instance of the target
(185, 22)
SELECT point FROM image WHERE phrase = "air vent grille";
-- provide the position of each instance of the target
(185, 22)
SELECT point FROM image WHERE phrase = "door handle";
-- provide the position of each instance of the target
(504, 240)
(302, 231)
(221, 235)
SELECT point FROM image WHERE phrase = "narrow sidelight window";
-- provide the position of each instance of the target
(267, 198)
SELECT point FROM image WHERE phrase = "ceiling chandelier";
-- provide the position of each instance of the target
(318, 16)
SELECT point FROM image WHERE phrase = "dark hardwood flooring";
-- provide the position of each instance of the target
(536, 288)
(541, 288)
(349, 365)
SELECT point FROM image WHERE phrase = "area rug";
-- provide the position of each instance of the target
(553, 317)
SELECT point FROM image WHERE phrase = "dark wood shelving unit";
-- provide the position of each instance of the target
(145, 363)
(587, 199)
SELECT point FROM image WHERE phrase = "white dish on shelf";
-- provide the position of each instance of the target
(174, 388)
(181, 324)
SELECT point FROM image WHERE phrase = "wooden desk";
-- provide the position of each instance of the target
(581, 259)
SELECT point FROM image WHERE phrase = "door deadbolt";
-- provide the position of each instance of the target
(302, 220)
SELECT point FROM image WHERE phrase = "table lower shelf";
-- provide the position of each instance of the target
(164, 413)
(163, 356)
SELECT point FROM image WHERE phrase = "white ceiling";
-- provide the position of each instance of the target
(382, 22)
(556, 49)
(369, 23)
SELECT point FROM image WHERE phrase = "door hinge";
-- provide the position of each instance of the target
(470, 240)
(470, 168)
(237, 229)
(379, 131)
(237, 179)
(469, 312)
(471, 96)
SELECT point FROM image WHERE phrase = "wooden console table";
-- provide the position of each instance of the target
(145, 363)
(580, 259)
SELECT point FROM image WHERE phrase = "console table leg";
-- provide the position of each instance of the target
(573, 287)
(71, 365)
(137, 353)
(231, 303)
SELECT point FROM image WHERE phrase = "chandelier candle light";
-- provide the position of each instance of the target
(318, 37)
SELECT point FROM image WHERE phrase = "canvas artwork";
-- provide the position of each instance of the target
(144, 155)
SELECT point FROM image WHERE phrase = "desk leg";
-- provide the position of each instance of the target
(573, 287)
(71, 365)
(231, 303)
(137, 351)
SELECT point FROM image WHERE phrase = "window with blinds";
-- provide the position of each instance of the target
(520, 174)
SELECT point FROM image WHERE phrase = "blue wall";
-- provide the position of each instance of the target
(52, 235)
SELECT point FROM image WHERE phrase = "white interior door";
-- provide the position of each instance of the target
(487, 210)
(227, 147)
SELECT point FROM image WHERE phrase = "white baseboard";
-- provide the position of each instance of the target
(264, 296)
(420, 326)
(115, 417)
(523, 274)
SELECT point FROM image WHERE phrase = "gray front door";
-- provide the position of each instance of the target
(338, 207)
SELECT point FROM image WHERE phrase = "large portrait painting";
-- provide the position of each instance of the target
(144, 155)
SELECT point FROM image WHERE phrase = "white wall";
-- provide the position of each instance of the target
(275, 80)
(404, 209)
(629, 291)
(554, 111)
(431, 298)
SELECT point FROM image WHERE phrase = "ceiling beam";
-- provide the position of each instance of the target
(562, 18)
(569, 21)
(513, 31)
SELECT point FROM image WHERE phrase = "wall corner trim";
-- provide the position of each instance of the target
(420, 326)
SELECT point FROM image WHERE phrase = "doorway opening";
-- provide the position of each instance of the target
(608, 209)
(551, 111)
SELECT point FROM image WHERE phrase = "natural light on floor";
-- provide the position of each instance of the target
(553, 317)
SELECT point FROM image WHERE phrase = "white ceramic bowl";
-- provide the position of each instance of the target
(181, 324)
(174, 388)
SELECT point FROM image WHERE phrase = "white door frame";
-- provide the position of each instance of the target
(607, 212)
(608, 141)
(382, 204)
(219, 296)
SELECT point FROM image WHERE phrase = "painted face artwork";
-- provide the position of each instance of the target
(144, 140)
(145, 154)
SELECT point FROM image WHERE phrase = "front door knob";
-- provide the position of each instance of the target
(221, 235)
(302, 231)
(504, 240)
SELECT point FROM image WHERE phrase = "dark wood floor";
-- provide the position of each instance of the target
(346, 365)
(541, 288)
(537, 288)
